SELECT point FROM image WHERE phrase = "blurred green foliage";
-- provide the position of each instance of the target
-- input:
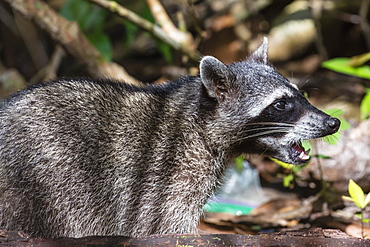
(355, 66)
(90, 18)
(343, 65)
(92, 21)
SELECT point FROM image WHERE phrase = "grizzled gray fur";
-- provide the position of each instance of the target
(94, 157)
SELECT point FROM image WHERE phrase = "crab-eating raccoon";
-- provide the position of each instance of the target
(83, 157)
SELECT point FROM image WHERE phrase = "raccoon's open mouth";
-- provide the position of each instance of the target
(298, 153)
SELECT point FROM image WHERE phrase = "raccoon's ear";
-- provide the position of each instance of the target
(215, 77)
(261, 54)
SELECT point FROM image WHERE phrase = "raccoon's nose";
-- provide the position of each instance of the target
(333, 123)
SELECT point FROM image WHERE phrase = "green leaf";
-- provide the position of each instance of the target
(298, 168)
(357, 194)
(131, 30)
(321, 156)
(359, 60)
(70, 9)
(102, 44)
(334, 112)
(359, 215)
(342, 65)
(88, 16)
(306, 144)
(94, 20)
(367, 200)
(283, 164)
(165, 50)
(91, 21)
(287, 180)
(333, 139)
(239, 164)
(347, 198)
(365, 106)
(344, 125)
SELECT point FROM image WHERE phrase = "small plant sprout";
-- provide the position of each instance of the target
(357, 196)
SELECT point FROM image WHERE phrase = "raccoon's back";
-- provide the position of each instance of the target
(73, 95)
(73, 105)
(60, 156)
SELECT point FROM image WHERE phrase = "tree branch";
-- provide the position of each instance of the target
(154, 29)
(364, 10)
(164, 21)
(68, 35)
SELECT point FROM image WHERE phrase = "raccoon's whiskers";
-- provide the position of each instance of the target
(265, 131)
(266, 128)
(272, 123)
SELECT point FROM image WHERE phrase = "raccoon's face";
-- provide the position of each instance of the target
(279, 129)
(263, 112)
(280, 118)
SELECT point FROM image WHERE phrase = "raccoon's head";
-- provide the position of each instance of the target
(260, 111)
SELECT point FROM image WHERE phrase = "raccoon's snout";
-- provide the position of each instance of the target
(333, 124)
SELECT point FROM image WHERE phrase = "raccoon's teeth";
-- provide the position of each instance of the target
(299, 153)
(304, 155)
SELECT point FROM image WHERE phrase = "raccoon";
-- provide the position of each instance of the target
(82, 157)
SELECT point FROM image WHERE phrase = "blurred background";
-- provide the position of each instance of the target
(322, 46)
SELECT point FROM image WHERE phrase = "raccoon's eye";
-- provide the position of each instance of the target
(280, 105)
